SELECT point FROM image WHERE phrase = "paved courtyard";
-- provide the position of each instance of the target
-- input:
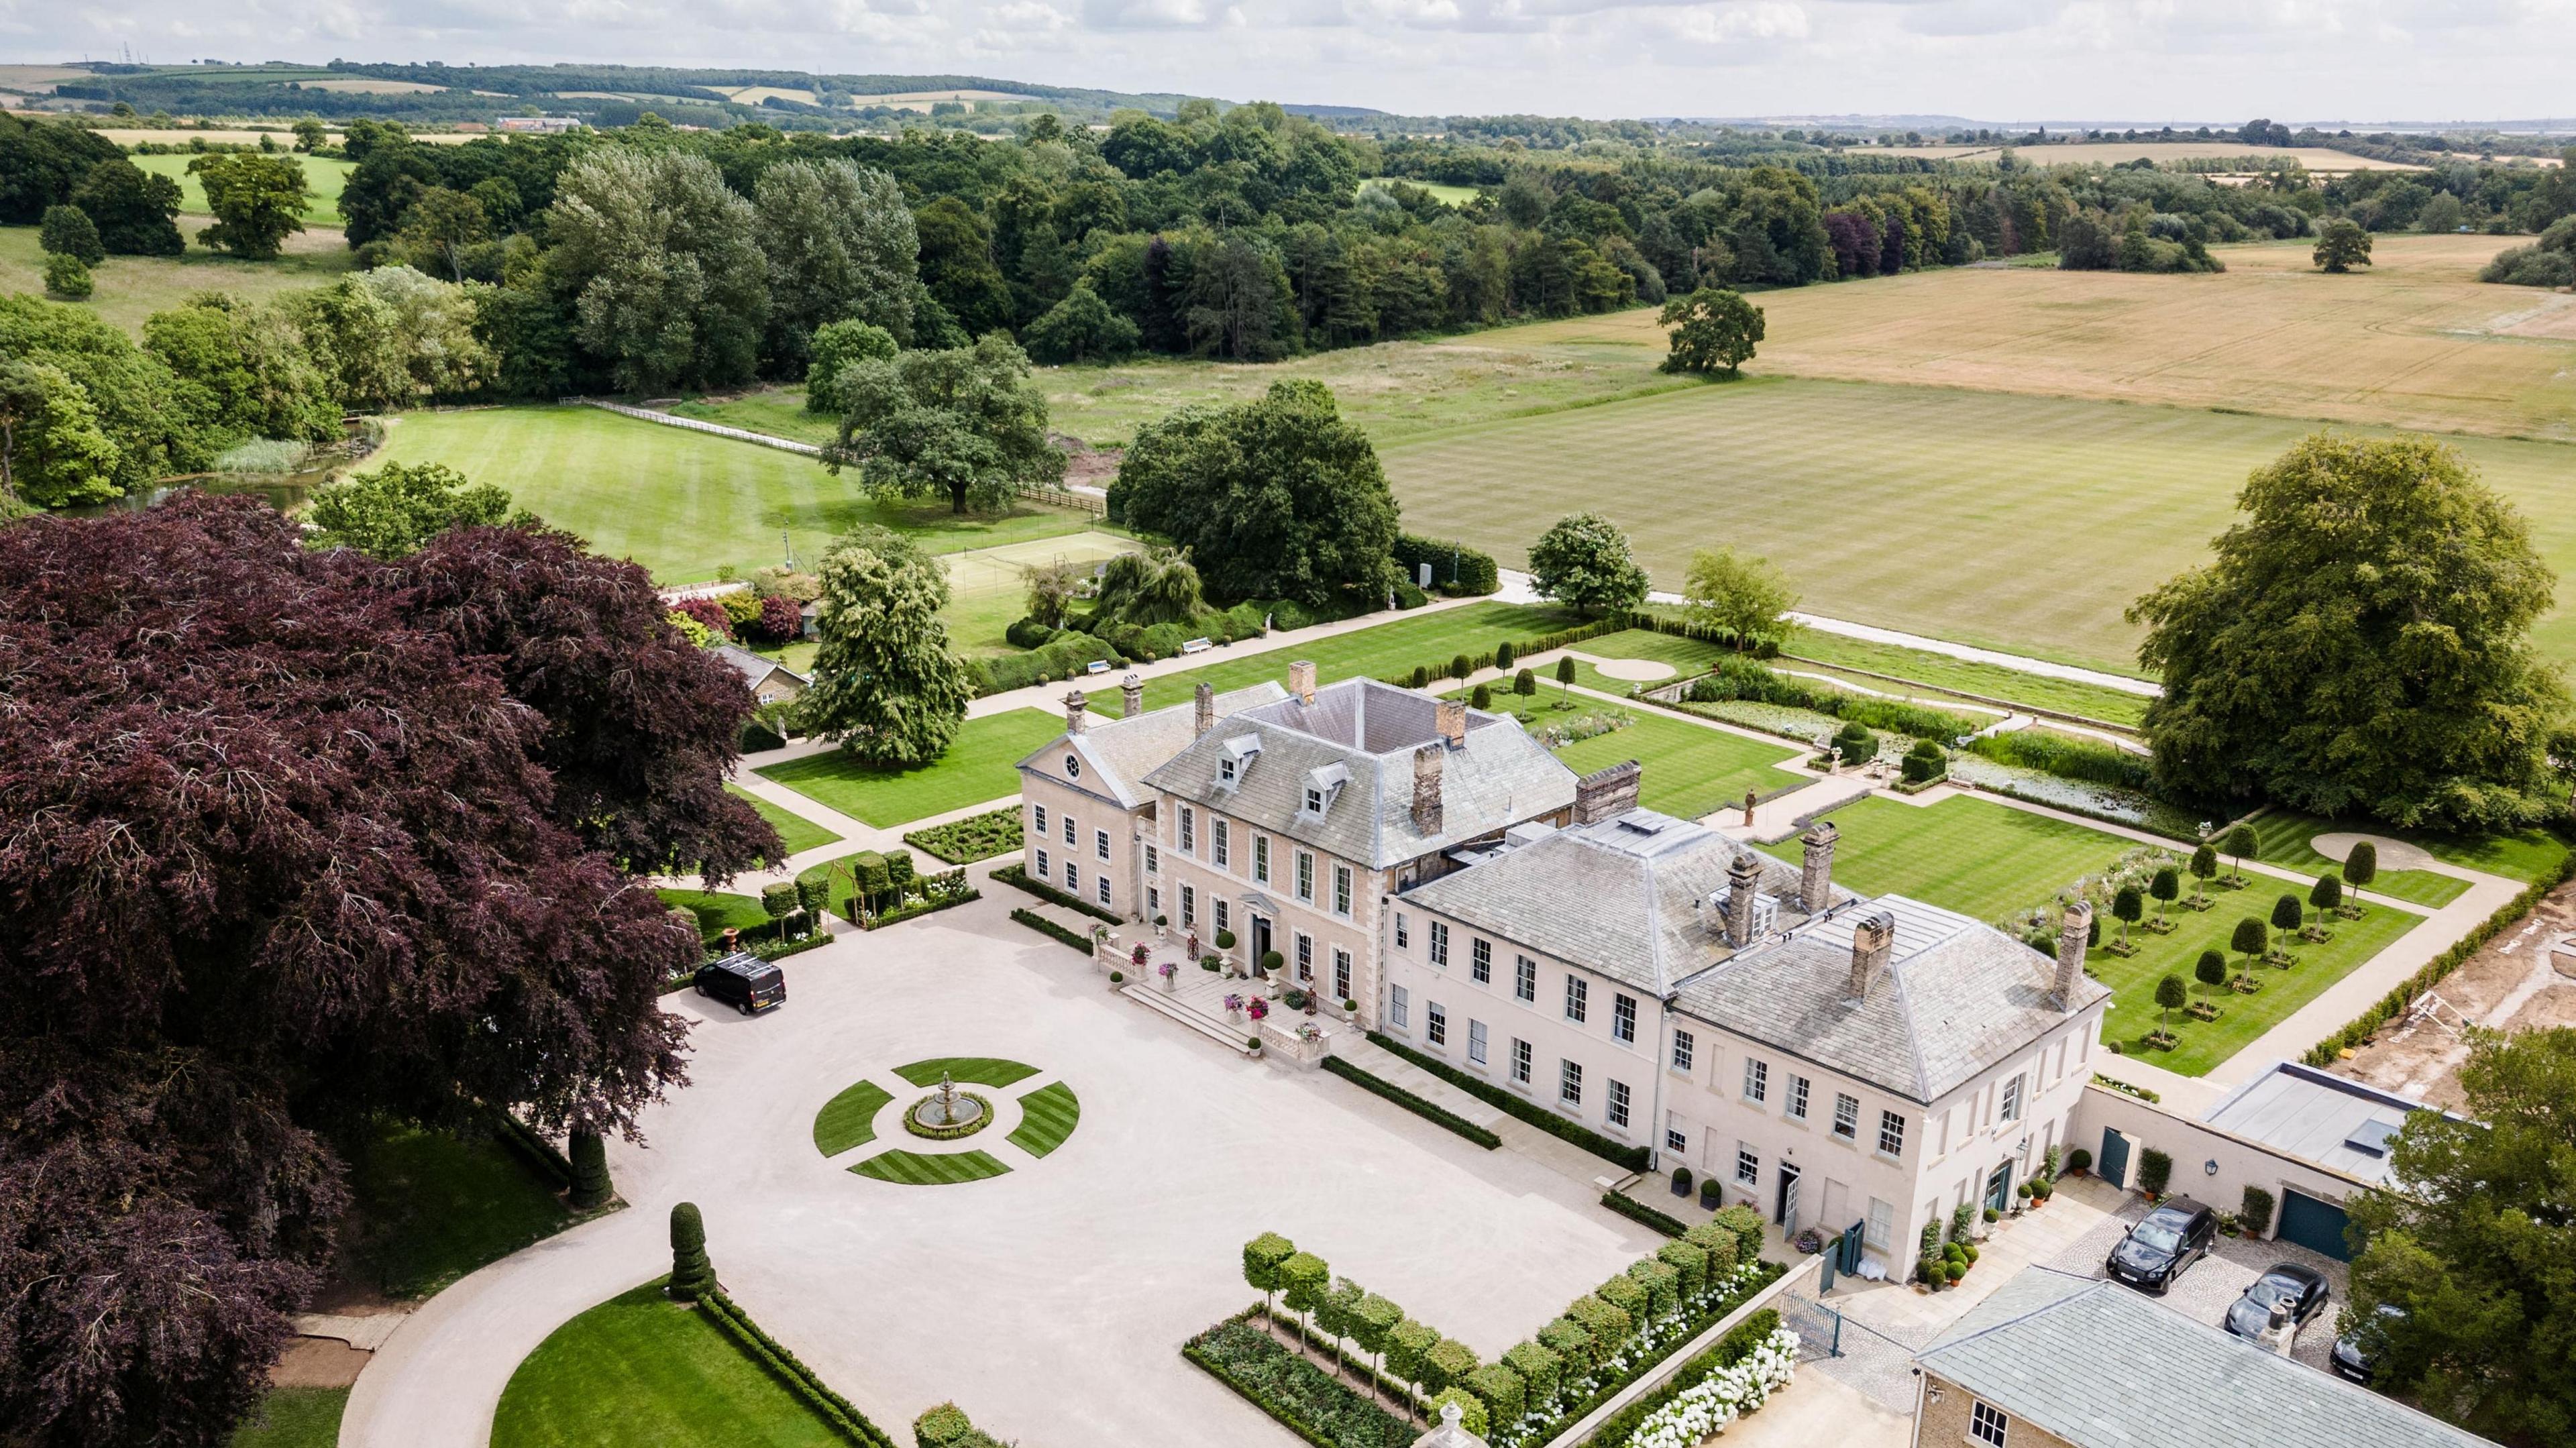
(1049, 1302)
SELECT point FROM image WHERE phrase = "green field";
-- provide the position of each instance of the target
(639, 1369)
(1048, 1116)
(683, 504)
(131, 288)
(777, 411)
(1691, 770)
(988, 588)
(1377, 652)
(970, 1070)
(849, 1119)
(435, 1205)
(2526, 855)
(919, 1169)
(2285, 835)
(1970, 855)
(1939, 672)
(294, 1418)
(976, 768)
(323, 179)
(796, 833)
(2024, 523)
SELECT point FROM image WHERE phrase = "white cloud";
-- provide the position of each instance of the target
(1145, 14)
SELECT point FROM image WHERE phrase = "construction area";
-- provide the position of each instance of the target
(2524, 980)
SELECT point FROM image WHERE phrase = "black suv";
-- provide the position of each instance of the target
(2160, 1246)
(2283, 1284)
(2349, 1359)
(745, 982)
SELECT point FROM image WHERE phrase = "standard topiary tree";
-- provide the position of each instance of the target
(1471, 1410)
(1448, 1364)
(590, 1184)
(2360, 867)
(2170, 993)
(1372, 1323)
(2287, 914)
(1407, 1344)
(1262, 1258)
(1503, 654)
(1302, 1281)
(1541, 1372)
(1500, 1390)
(1565, 676)
(2250, 940)
(780, 900)
(2166, 886)
(2204, 868)
(2212, 969)
(692, 1276)
(2326, 895)
(2128, 908)
(1525, 684)
(2241, 842)
(1460, 666)
(1334, 1312)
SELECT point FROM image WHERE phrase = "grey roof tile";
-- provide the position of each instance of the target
(1118, 753)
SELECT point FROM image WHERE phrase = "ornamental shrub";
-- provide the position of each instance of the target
(1471, 1410)
(1923, 763)
(1225, 940)
(1421, 676)
(708, 613)
(692, 1276)
(1481, 697)
(1372, 1321)
(779, 899)
(2154, 1170)
(1628, 1295)
(1028, 633)
(1609, 1324)
(1681, 1181)
(2212, 969)
(67, 231)
(1500, 1390)
(898, 869)
(1336, 1310)
(814, 893)
(2249, 938)
(2079, 1160)
(740, 607)
(2362, 865)
(1503, 654)
(67, 277)
(945, 1426)
(781, 621)
(1408, 1344)
(1709, 1192)
(1718, 1240)
(590, 1184)
(1571, 1343)
(1525, 683)
(1663, 1285)
(1461, 666)
(1302, 1280)
(1541, 1371)
(1857, 743)
(1690, 1262)
(2257, 1213)
(1746, 1224)
(1448, 1363)
(2327, 892)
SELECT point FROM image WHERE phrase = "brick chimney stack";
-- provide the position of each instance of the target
(1743, 883)
(1816, 876)
(1076, 708)
(1301, 681)
(1607, 793)
(1131, 695)
(1449, 716)
(2071, 937)
(1205, 704)
(1427, 764)
(1873, 941)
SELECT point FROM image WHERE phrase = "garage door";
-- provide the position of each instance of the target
(2313, 1224)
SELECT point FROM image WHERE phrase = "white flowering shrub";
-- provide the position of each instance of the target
(1704, 1409)
(1650, 1344)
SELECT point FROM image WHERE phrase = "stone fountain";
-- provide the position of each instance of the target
(948, 1112)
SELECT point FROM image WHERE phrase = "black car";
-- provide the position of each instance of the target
(745, 982)
(2348, 1358)
(2285, 1284)
(2162, 1244)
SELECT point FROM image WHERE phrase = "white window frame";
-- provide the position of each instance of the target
(1525, 979)
(1341, 889)
(1100, 843)
(1436, 944)
(1037, 818)
(1522, 1060)
(1480, 960)
(1685, 1050)
(1988, 1424)
(1799, 1089)
(1435, 1023)
(1748, 1165)
(1189, 841)
(1305, 956)
(1882, 1224)
(1342, 974)
(1189, 905)
(1261, 859)
(1220, 844)
(1403, 932)
(1578, 998)
(1623, 1017)
(2012, 1103)
(1846, 1116)
(1757, 1080)
(1100, 888)
(1153, 860)
(1615, 1103)
(1306, 877)
(1042, 866)
(1223, 916)
(1475, 1041)
(1891, 1134)
(1399, 1008)
(1072, 878)
(1072, 830)
(1676, 1140)
(1569, 1083)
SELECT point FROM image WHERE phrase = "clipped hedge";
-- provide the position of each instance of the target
(1044, 926)
(2393, 1004)
(1456, 569)
(1297, 1394)
(2068, 757)
(1634, 1158)
(1435, 1114)
(836, 1411)
(1637, 1211)
(1017, 876)
(1729, 1350)
(538, 1152)
(1064, 657)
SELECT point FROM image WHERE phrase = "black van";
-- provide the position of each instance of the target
(743, 981)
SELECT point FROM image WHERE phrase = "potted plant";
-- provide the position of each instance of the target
(1137, 956)
(1681, 1181)
(1168, 970)
(1257, 1008)
(1351, 1009)
(1709, 1194)
(1234, 1005)
(1162, 925)
(1273, 964)
(1117, 978)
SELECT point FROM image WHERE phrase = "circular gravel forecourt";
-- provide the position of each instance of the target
(2393, 854)
(1635, 671)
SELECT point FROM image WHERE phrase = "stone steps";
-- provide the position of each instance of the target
(1151, 998)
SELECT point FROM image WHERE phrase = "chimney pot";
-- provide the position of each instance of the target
(1205, 705)
(1076, 707)
(1607, 793)
(1743, 882)
(1301, 680)
(1873, 941)
(2071, 935)
(1131, 691)
(1427, 766)
(1816, 877)
(1449, 716)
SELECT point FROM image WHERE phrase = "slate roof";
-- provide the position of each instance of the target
(1117, 753)
(1620, 896)
(2339, 1124)
(753, 667)
(1497, 778)
(1957, 997)
(2102, 1366)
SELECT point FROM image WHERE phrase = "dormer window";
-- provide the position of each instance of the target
(1233, 758)
(1322, 787)
(1314, 800)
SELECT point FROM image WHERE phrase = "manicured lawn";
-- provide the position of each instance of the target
(2242, 1017)
(294, 1418)
(976, 768)
(436, 1205)
(1687, 657)
(797, 833)
(2285, 835)
(639, 1369)
(849, 1119)
(967, 1070)
(323, 179)
(131, 288)
(1970, 855)
(1049, 1115)
(988, 588)
(917, 1169)
(717, 909)
(681, 503)
(776, 411)
(1378, 652)
(976, 837)
(1992, 681)
(1690, 770)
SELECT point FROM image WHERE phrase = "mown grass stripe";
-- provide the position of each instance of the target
(849, 1119)
(968, 1070)
(916, 1169)
(1048, 1116)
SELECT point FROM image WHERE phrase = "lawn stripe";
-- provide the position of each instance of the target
(1048, 1116)
(849, 1119)
(967, 1070)
(918, 1169)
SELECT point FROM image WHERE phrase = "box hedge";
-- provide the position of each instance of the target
(1689, 1262)
(1541, 1370)
(1571, 1343)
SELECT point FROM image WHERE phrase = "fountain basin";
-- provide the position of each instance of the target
(946, 1118)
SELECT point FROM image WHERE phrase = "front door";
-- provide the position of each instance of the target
(2114, 1165)
(1999, 1188)
(1260, 938)
(1789, 1198)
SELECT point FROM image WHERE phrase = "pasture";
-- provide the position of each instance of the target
(681, 503)
(2024, 523)
(323, 179)
(131, 288)
(2113, 153)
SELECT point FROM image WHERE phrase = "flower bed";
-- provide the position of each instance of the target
(1661, 1338)
(946, 899)
(2107, 803)
(1302, 1397)
(976, 837)
(1728, 1381)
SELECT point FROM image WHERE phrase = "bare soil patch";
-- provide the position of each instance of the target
(2514, 984)
(317, 1362)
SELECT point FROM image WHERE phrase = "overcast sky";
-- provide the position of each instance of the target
(2127, 60)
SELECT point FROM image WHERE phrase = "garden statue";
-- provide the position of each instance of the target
(1750, 798)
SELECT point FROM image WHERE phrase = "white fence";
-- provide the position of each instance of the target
(805, 449)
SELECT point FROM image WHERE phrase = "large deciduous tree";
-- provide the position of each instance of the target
(964, 423)
(2358, 646)
(52, 451)
(2342, 245)
(886, 686)
(2472, 1239)
(258, 201)
(282, 851)
(244, 371)
(1585, 561)
(1710, 330)
(1740, 595)
(841, 247)
(957, 266)
(668, 283)
(395, 509)
(1277, 498)
(136, 210)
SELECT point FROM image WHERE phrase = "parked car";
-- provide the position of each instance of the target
(2348, 1358)
(743, 981)
(2287, 1284)
(2162, 1244)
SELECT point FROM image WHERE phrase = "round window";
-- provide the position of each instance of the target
(1073, 766)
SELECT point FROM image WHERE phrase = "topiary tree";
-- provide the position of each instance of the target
(2256, 1214)
(590, 1184)
(1460, 666)
(1503, 654)
(2204, 868)
(1585, 562)
(2128, 908)
(2170, 993)
(1471, 1410)
(1333, 1312)
(1857, 743)
(1372, 1322)
(2250, 940)
(1447, 1364)
(2326, 895)
(2166, 886)
(2287, 914)
(1422, 676)
(1691, 1261)
(2155, 1169)
(1541, 1372)
(1720, 1244)
(1628, 1295)
(2360, 867)
(2241, 842)
(1525, 684)
(692, 1276)
(1567, 1339)
(814, 893)
(1481, 697)
(1565, 676)
(1663, 1285)
(1262, 1259)
(1302, 1280)
(1500, 1389)
(780, 900)
(2212, 969)
(1408, 1343)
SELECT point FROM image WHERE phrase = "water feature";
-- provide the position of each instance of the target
(947, 1112)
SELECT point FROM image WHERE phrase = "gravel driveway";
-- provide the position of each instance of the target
(2211, 1284)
